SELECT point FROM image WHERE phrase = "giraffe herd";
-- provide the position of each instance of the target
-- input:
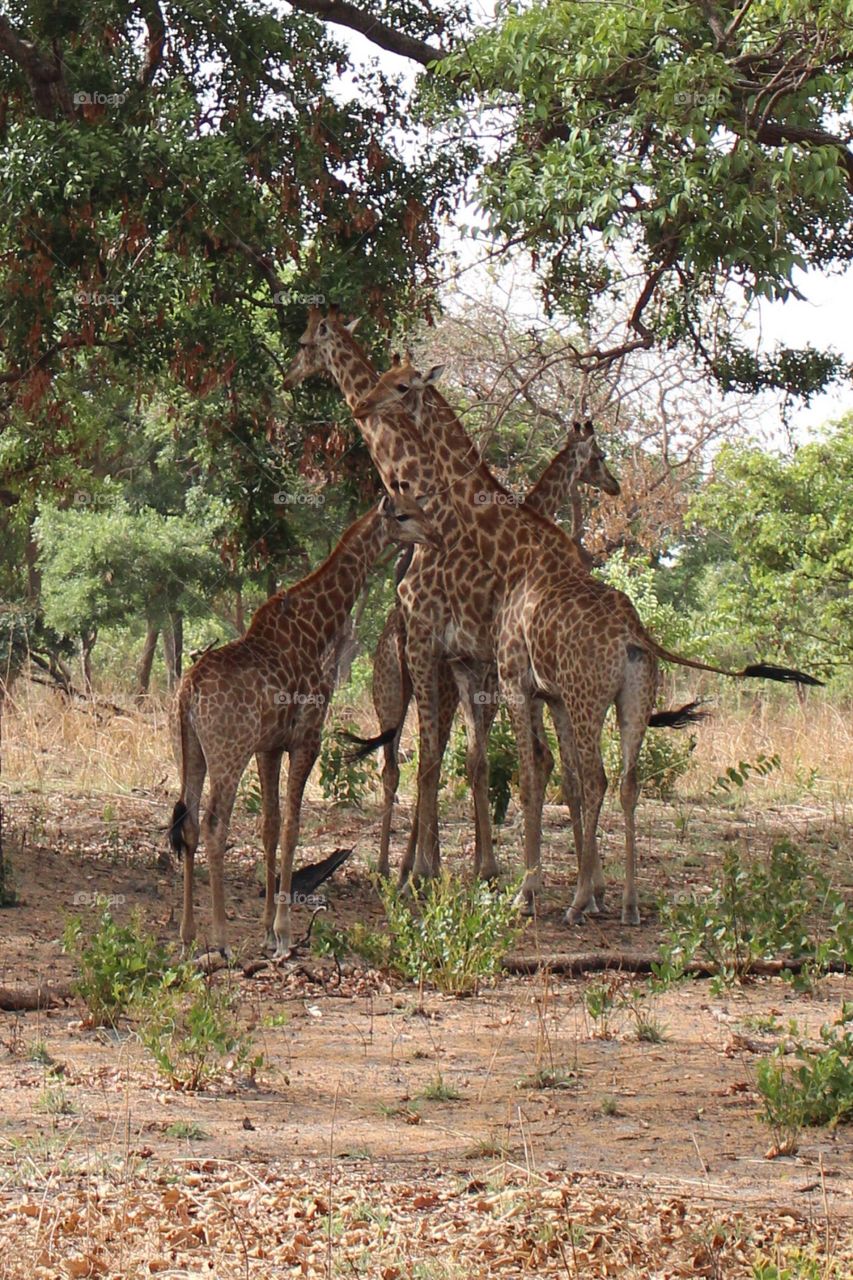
(497, 603)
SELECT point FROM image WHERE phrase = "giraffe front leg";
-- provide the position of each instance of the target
(269, 773)
(474, 703)
(300, 763)
(424, 674)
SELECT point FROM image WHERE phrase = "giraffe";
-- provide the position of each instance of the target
(580, 461)
(561, 636)
(262, 695)
(448, 615)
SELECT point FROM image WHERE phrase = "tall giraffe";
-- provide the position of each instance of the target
(561, 636)
(266, 693)
(581, 461)
(448, 614)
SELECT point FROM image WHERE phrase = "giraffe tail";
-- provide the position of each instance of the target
(678, 717)
(180, 813)
(361, 747)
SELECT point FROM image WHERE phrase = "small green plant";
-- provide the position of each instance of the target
(371, 945)
(601, 1001)
(503, 763)
(550, 1078)
(191, 1030)
(450, 935)
(40, 1053)
(438, 1090)
(783, 908)
(818, 1090)
(608, 1106)
(343, 780)
(249, 794)
(799, 1264)
(54, 1100)
(650, 1029)
(186, 1129)
(736, 775)
(119, 963)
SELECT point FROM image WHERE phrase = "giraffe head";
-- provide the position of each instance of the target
(314, 346)
(590, 465)
(401, 385)
(405, 520)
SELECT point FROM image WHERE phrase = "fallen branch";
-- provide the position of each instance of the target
(633, 962)
(28, 999)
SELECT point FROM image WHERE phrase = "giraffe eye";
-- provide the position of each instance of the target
(402, 388)
(403, 517)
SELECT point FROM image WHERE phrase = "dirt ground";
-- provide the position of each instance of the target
(383, 1139)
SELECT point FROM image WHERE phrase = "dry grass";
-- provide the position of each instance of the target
(51, 746)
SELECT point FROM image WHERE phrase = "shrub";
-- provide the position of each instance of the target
(664, 758)
(343, 780)
(784, 908)
(119, 963)
(503, 762)
(191, 1030)
(818, 1090)
(450, 935)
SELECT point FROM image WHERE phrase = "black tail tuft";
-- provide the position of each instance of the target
(766, 671)
(678, 717)
(307, 879)
(180, 813)
(366, 746)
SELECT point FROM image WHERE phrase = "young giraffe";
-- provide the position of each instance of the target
(265, 694)
(448, 615)
(561, 636)
(580, 461)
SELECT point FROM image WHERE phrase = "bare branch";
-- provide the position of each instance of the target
(152, 15)
(380, 33)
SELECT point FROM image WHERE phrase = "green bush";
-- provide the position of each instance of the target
(818, 1090)
(450, 935)
(191, 1030)
(344, 781)
(664, 758)
(119, 963)
(784, 908)
(503, 762)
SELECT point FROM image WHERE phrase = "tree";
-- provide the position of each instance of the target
(787, 524)
(665, 162)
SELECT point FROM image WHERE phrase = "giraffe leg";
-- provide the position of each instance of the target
(217, 819)
(300, 763)
(194, 773)
(572, 792)
(476, 691)
(425, 674)
(392, 694)
(448, 700)
(634, 705)
(593, 781)
(531, 788)
(269, 772)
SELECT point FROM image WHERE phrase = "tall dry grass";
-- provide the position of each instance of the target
(49, 745)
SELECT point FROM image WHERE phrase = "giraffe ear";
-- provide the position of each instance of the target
(576, 427)
(396, 360)
(588, 428)
(434, 374)
(353, 324)
(385, 504)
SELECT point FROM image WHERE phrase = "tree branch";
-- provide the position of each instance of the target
(385, 36)
(152, 16)
(775, 135)
(44, 74)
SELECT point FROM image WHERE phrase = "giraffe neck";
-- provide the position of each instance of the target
(557, 485)
(330, 592)
(395, 447)
(505, 533)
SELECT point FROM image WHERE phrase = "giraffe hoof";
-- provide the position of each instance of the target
(575, 915)
(489, 874)
(630, 915)
(525, 903)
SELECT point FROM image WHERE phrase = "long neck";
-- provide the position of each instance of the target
(504, 531)
(557, 485)
(323, 600)
(396, 448)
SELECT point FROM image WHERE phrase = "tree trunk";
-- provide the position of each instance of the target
(239, 616)
(350, 646)
(31, 552)
(87, 644)
(146, 662)
(173, 648)
(272, 583)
